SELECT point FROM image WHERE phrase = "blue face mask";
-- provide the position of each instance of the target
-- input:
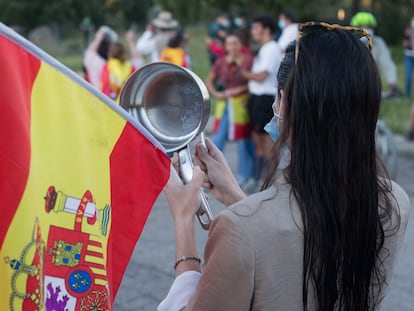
(281, 24)
(272, 129)
(238, 22)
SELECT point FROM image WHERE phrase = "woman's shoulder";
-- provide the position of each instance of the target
(250, 204)
(402, 200)
(274, 205)
(271, 46)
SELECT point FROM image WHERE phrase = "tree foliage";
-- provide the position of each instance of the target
(31, 13)
(392, 15)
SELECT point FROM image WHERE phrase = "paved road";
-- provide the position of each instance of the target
(150, 272)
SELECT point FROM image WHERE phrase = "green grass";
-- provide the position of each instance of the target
(74, 62)
(198, 50)
(394, 112)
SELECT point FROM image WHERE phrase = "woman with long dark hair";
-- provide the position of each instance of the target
(324, 232)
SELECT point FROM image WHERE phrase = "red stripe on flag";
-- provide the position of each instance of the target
(93, 254)
(139, 172)
(100, 276)
(95, 265)
(95, 243)
(18, 72)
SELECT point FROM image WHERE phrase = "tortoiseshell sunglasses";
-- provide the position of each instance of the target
(308, 28)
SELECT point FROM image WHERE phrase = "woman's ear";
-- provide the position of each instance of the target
(280, 106)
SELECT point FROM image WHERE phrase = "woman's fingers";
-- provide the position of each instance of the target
(175, 163)
(207, 185)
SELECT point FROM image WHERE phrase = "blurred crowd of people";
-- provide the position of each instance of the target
(244, 55)
(108, 62)
(265, 39)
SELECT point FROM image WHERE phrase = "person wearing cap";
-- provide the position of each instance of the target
(380, 51)
(157, 35)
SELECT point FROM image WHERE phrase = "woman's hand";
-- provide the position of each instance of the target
(220, 95)
(218, 179)
(184, 200)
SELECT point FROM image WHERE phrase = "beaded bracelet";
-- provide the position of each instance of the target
(184, 258)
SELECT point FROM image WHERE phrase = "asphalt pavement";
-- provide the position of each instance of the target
(150, 271)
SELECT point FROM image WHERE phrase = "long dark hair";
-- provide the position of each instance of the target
(332, 99)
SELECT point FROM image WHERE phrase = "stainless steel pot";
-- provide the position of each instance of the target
(173, 104)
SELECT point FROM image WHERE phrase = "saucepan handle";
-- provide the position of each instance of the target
(204, 214)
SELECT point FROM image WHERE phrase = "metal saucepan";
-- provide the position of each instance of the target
(173, 104)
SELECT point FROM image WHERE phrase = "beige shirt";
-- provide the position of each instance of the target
(254, 254)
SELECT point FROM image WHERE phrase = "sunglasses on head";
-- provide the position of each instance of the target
(308, 28)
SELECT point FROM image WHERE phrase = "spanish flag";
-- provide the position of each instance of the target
(78, 178)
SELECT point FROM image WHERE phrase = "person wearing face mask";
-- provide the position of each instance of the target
(241, 27)
(272, 127)
(380, 51)
(217, 32)
(325, 231)
(288, 27)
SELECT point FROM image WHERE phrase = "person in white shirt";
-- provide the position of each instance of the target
(156, 35)
(288, 28)
(97, 53)
(262, 89)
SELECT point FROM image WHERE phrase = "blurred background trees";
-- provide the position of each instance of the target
(392, 15)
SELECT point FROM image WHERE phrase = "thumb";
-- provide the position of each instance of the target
(210, 154)
(203, 155)
(212, 158)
